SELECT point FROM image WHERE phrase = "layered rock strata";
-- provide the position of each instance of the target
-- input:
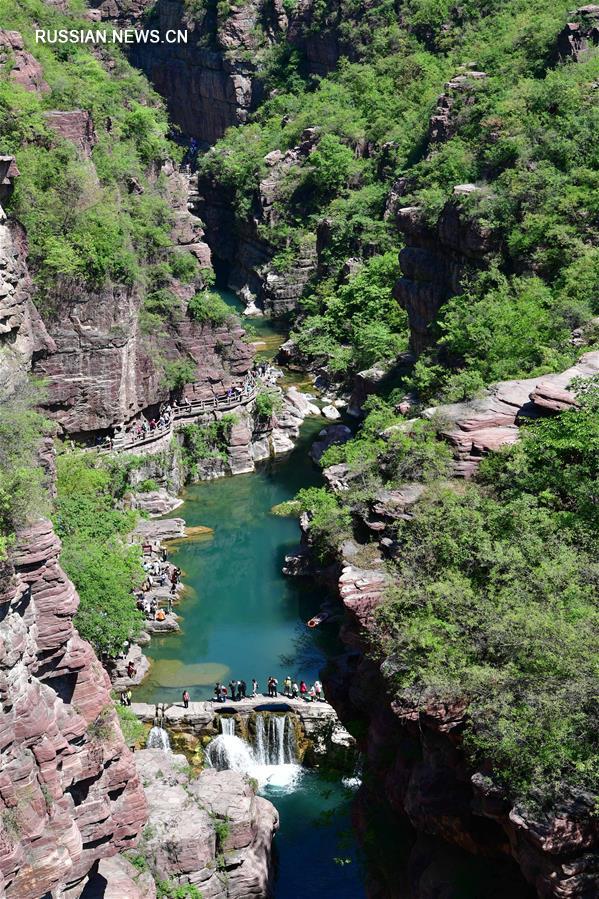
(69, 791)
(22, 332)
(415, 757)
(434, 260)
(482, 425)
(214, 79)
(211, 830)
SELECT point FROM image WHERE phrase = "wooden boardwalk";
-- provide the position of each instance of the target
(181, 416)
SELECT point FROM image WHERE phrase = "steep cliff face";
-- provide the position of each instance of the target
(22, 332)
(435, 259)
(242, 243)
(215, 78)
(185, 814)
(69, 791)
(101, 361)
(104, 366)
(416, 761)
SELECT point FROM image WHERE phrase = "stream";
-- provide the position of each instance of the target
(242, 618)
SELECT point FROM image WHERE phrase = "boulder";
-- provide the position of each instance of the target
(331, 412)
(156, 502)
(182, 842)
(327, 437)
(24, 68)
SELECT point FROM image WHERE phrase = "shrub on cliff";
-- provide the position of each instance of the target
(202, 442)
(329, 522)
(179, 372)
(23, 493)
(208, 306)
(267, 403)
(103, 567)
(86, 227)
(495, 601)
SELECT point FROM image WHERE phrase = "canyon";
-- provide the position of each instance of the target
(73, 797)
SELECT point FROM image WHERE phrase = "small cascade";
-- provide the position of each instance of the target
(158, 739)
(354, 781)
(272, 760)
(227, 726)
(230, 753)
(260, 745)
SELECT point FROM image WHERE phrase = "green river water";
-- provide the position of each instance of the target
(241, 617)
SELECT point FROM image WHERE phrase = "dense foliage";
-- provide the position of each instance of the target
(495, 601)
(495, 584)
(95, 554)
(203, 442)
(86, 224)
(525, 138)
(23, 489)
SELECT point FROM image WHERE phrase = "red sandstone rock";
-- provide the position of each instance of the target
(76, 126)
(68, 785)
(25, 69)
(485, 424)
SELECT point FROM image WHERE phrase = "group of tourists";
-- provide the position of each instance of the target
(293, 690)
(141, 426)
(160, 573)
(237, 690)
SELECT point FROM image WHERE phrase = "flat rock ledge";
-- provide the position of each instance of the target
(318, 720)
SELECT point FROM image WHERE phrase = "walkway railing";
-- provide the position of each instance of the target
(181, 415)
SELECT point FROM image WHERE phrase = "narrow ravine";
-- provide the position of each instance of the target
(242, 618)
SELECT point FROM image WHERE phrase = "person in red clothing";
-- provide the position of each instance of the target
(303, 689)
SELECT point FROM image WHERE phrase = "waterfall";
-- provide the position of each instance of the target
(227, 726)
(229, 753)
(158, 739)
(271, 760)
(260, 745)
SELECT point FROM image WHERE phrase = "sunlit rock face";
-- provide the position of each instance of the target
(69, 791)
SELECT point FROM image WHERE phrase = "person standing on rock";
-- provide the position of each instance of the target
(287, 686)
(186, 699)
(317, 689)
(223, 693)
(294, 690)
(303, 689)
(243, 687)
(129, 696)
(254, 688)
(233, 689)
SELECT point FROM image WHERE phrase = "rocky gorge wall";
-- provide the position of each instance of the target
(414, 754)
(215, 79)
(69, 791)
(22, 332)
(104, 367)
(100, 365)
